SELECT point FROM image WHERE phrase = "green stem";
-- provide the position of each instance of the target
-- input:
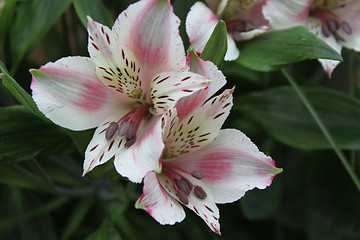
(323, 128)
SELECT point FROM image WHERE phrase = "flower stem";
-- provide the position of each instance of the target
(322, 127)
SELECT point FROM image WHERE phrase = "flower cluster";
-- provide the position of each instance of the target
(155, 114)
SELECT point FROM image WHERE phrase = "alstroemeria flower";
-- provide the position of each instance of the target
(243, 18)
(203, 165)
(135, 70)
(337, 22)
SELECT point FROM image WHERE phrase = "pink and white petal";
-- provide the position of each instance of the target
(150, 29)
(100, 149)
(199, 128)
(314, 25)
(204, 208)
(156, 201)
(232, 52)
(70, 94)
(205, 68)
(200, 23)
(231, 165)
(351, 14)
(116, 66)
(168, 87)
(286, 13)
(144, 155)
(253, 33)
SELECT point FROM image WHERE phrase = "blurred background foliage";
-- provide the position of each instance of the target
(43, 195)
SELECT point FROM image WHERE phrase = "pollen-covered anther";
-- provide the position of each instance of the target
(197, 174)
(199, 192)
(182, 197)
(332, 26)
(184, 185)
(110, 131)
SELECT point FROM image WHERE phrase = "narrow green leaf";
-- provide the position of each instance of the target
(23, 136)
(285, 118)
(215, 49)
(95, 9)
(6, 18)
(324, 129)
(34, 19)
(274, 50)
(19, 93)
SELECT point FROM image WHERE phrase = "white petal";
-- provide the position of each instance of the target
(231, 165)
(70, 94)
(198, 128)
(204, 68)
(286, 13)
(314, 25)
(204, 208)
(144, 156)
(351, 14)
(100, 149)
(168, 87)
(232, 52)
(150, 30)
(156, 201)
(200, 23)
(117, 67)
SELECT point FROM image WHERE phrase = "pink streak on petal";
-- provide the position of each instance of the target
(216, 171)
(96, 91)
(305, 12)
(92, 104)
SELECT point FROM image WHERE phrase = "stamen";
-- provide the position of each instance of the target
(197, 174)
(182, 197)
(199, 192)
(130, 142)
(131, 131)
(333, 25)
(346, 27)
(111, 130)
(325, 30)
(183, 186)
(124, 126)
(338, 38)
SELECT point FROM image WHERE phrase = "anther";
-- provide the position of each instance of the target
(197, 175)
(124, 126)
(338, 38)
(199, 192)
(325, 30)
(131, 131)
(130, 142)
(346, 27)
(182, 197)
(333, 25)
(183, 186)
(111, 130)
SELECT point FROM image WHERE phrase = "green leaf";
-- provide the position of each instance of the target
(281, 113)
(6, 18)
(274, 50)
(106, 231)
(215, 49)
(23, 136)
(95, 9)
(34, 19)
(18, 92)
